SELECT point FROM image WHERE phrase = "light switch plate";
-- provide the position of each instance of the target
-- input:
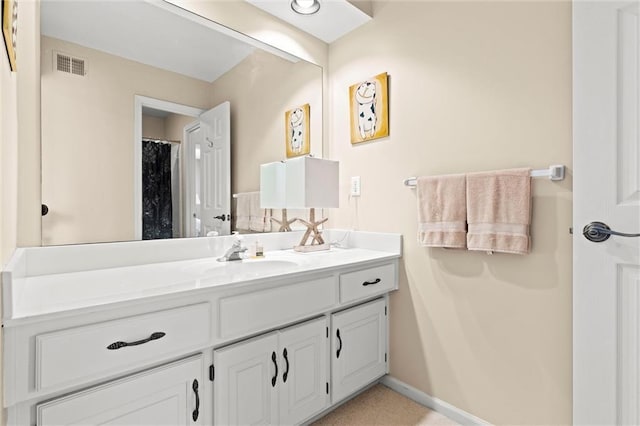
(355, 186)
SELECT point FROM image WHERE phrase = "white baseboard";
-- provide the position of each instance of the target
(435, 404)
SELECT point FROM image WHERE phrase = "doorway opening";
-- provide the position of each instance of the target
(159, 122)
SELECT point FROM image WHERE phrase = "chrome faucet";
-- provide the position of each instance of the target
(234, 252)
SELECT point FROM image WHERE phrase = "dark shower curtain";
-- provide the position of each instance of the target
(156, 191)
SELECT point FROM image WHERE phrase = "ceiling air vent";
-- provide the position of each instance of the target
(69, 64)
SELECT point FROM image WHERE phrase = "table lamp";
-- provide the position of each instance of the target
(311, 183)
(273, 192)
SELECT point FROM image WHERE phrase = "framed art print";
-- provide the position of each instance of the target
(10, 29)
(296, 123)
(369, 109)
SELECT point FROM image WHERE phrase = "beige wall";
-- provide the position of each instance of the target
(174, 125)
(87, 123)
(473, 86)
(261, 89)
(170, 127)
(153, 127)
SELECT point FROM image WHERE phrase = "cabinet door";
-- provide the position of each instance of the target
(358, 348)
(304, 357)
(246, 380)
(169, 395)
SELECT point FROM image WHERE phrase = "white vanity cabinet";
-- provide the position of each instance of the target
(278, 378)
(169, 395)
(359, 347)
(195, 341)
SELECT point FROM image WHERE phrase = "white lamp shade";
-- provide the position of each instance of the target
(311, 182)
(272, 186)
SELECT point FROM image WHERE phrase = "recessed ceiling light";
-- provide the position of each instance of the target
(305, 7)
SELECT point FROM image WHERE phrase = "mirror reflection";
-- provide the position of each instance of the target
(152, 117)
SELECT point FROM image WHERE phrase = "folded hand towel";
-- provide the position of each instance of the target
(442, 211)
(499, 211)
(243, 206)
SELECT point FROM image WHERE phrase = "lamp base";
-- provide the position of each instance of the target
(312, 248)
(285, 223)
(313, 233)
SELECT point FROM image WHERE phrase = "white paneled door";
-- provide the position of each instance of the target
(207, 165)
(606, 284)
(215, 174)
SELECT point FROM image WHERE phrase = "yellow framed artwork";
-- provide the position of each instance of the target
(10, 29)
(296, 123)
(369, 109)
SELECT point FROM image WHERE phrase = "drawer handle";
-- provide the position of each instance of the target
(155, 336)
(275, 364)
(286, 373)
(376, 281)
(339, 341)
(196, 412)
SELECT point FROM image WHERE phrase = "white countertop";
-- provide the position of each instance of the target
(31, 295)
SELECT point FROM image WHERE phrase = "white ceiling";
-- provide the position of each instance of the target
(146, 33)
(334, 19)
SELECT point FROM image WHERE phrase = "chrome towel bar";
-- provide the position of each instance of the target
(555, 172)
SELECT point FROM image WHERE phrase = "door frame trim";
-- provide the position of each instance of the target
(140, 102)
(189, 184)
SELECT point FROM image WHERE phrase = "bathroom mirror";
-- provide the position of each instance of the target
(132, 100)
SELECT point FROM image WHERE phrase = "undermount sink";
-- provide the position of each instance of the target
(246, 267)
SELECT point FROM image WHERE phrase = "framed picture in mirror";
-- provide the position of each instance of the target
(10, 29)
(297, 131)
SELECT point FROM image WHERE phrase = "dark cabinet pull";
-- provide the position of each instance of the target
(44, 209)
(376, 281)
(340, 341)
(286, 373)
(196, 412)
(155, 336)
(275, 364)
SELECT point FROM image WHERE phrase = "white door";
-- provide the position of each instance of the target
(304, 357)
(606, 286)
(170, 395)
(215, 172)
(358, 351)
(245, 385)
(207, 168)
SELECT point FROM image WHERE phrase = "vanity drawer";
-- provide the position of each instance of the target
(367, 282)
(103, 349)
(247, 313)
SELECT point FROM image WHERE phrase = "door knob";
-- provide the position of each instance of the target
(221, 217)
(598, 232)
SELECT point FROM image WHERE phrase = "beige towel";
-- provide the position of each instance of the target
(243, 211)
(249, 215)
(256, 214)
(499, 211)
(442, 211)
